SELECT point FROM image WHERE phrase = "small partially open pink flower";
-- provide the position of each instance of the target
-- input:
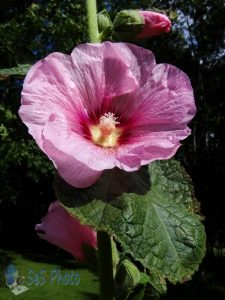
(61, 229)
(104, 106)
(154, 24)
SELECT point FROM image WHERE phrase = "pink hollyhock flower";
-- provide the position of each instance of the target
(66, 232)
(104, 106)
(154, 24)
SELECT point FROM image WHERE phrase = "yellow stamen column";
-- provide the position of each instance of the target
(106, 134)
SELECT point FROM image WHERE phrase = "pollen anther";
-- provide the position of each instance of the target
(107, 123)
(106, 134)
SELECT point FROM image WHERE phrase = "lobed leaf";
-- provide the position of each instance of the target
(159, 227)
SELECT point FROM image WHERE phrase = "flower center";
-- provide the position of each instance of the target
(106, 134)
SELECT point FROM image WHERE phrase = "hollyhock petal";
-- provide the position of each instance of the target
(167, 98)
(71, 170)
(58, 133)
(137, 58)
(48, 87)
(61, 229)
(102, 73)
(149, 147)
(154, 24)
(140, 60)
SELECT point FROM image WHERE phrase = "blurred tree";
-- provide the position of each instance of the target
(30, 30)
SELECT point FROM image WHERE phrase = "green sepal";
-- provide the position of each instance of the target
(127, 25)
(104, 25)
(127, 278)
(137, 294)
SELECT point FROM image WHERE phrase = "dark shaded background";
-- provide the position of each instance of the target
(29, 30)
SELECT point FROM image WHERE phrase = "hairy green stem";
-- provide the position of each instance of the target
(92, 21)
(105, 266)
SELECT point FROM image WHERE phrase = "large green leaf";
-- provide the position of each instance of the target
(160, 228)
(20, 70)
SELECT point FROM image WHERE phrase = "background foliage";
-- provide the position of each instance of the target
(29, 30)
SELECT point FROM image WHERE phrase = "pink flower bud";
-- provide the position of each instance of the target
(131, 25)
(61, 229)
(154, 24)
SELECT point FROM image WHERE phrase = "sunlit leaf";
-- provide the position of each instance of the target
(160, 228)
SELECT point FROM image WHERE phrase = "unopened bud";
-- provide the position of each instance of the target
(154, 24)
(104, 23)
(128, 24)
(137, 24)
